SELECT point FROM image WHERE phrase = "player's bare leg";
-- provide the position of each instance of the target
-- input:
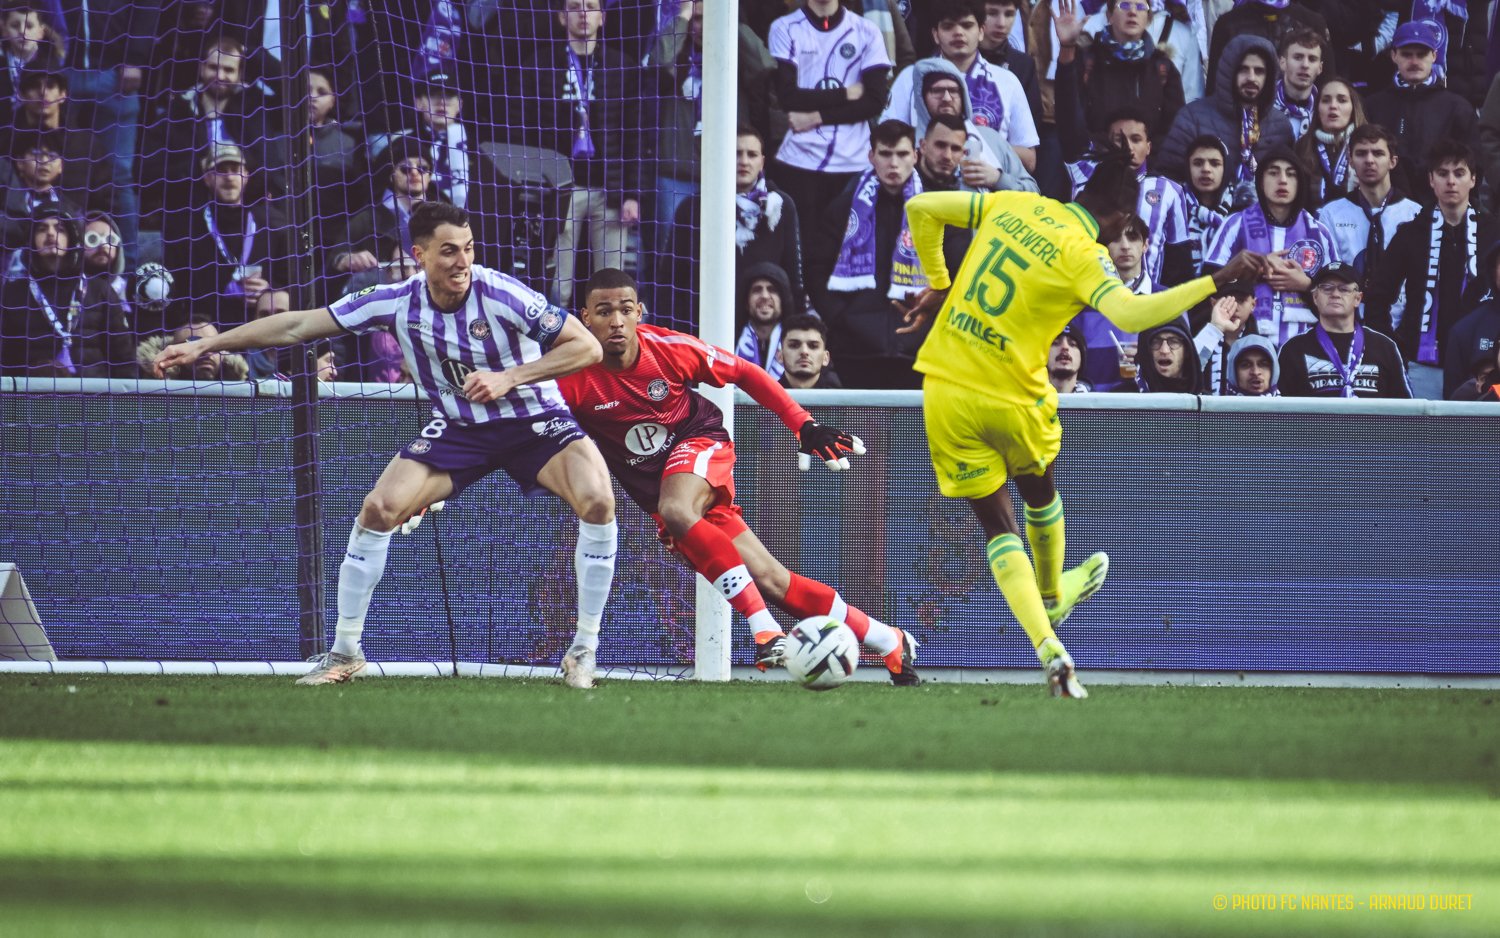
(684, 501)
(579, 477)
(405, 487)
(1017, 580)
(805, 598)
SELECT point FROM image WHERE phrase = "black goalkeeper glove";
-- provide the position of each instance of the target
(829, 444)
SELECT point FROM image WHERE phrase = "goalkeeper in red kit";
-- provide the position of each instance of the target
(668, 447)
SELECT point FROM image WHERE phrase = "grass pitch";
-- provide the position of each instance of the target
(249, 806)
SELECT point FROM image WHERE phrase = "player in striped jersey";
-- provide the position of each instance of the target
(990, 411)
(668, 447)
(486, 349)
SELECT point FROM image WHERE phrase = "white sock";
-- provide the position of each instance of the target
(364, 562)
(881, 638)
(594, 563)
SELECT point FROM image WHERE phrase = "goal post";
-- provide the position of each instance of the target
(716, 298)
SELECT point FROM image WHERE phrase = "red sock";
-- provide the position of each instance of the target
(712, 554)
(807, 598)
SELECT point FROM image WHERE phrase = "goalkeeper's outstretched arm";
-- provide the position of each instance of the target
(289, 328)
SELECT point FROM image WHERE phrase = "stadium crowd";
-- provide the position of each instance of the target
(179, 167)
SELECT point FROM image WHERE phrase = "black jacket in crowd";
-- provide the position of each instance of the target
(1381, 372)
(1405, 266)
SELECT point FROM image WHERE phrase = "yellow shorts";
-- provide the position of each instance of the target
(978, 442)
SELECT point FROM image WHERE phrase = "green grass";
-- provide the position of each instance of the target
(223, 806)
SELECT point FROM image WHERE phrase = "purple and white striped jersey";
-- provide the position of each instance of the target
(828, 60)
(501, 324)
(1163, 206)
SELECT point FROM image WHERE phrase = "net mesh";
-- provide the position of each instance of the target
(269, 162)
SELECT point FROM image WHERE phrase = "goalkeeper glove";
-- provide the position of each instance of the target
(410, 524)
(828, 444)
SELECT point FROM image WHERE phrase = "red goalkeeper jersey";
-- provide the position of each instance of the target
(638, 415)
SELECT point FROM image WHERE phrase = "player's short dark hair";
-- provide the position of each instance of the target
(951, 121)
(427, 216)
(891, 132)
(1208, 142)
(1113, 187)
(1448, 150)
(1372, 133)
(609, 278)
(805, 321)
(1307, 38)
(1003, 3)
(955, 10)
(1129, 112)
(748, 130)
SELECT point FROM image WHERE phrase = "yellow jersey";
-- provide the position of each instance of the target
(1034, 264)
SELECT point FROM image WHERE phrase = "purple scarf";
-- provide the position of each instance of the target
(1249, 137)
(856, 267)
(1299, 114)
(1347, 370)
(748, 348)
(1271, 305)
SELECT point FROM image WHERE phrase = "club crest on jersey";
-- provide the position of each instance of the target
(1307, 253)
(479, 329)
(657, 390)
(551, 320)
(847, 50)
(418, 447)
(1153, 197)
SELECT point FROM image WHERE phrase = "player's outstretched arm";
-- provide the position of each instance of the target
(574, 348)
(289, 328)
(831, 445)
(1139, 313)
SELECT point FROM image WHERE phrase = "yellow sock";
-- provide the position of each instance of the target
(1045, 531)
(1013, 574)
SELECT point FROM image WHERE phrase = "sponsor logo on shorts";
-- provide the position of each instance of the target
(647, 439)
(657, 390)
(479, 329)
(964, 472)
(555, 427)
(418, 447)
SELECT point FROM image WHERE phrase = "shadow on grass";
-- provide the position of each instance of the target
(1444, 739)
(593, 896)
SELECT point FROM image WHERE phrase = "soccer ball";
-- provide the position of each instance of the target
(821, 653)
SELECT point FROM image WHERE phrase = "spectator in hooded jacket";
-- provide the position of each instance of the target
(1417, 108)
(1219, 322)
(1253, 369)
(1239, 112)
(765, 298)
(990, 164)
(1168, 361)
(1484, 368)
(56, 322)
(1271, 20)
